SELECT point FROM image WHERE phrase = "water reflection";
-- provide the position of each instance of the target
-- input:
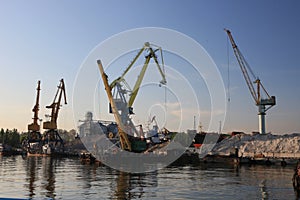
(46, 177)
(131, 186)
(122, 186)
(48, 182)
(107, 183)
(36, 166)
(31, 168)
(87, 175)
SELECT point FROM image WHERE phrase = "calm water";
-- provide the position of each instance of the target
(41, 177)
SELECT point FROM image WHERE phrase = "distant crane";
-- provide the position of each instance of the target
(52, 140)
(35, 126)
(263, 103)
(34, 134)
(55, 106)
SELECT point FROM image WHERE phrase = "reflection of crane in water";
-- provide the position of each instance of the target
(31, 173)
(131, 186)
(122, 189)
(49, 166)
(52, 138)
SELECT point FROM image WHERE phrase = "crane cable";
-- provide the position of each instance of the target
(228, 83)
(228, 74)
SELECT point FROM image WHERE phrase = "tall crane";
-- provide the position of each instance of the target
(55, 106)
(119, 106)
(261, 97)
(35, 127)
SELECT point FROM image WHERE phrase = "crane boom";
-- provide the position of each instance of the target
(113, 84)
(55, 106)
(142, 73)
(243, 65)
(256, 94)
(125, 143)
(135, 90)
(35, 126)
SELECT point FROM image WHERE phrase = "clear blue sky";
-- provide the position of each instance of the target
(48, 40)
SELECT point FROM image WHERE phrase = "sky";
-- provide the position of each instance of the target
(50, 40)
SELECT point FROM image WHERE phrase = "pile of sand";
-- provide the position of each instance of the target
(267, 143)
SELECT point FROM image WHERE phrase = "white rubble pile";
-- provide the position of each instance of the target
(258, 143)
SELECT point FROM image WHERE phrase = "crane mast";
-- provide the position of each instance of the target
(35, 126)
(263, 104)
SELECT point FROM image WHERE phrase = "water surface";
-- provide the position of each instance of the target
(65, 178)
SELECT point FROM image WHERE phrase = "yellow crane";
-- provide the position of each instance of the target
(150, 54)
(55, 106)
(118, 102)
(125, 143)
(35, 126)
(261, 97)
(52, 141)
